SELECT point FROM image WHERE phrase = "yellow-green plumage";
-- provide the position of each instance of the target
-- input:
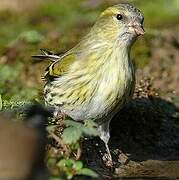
(96, 78)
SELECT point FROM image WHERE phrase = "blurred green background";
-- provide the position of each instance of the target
(57, 25)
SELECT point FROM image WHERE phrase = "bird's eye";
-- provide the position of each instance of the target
(119, 17)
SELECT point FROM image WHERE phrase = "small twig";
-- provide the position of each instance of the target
(58, 140)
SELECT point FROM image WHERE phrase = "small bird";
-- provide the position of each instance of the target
(96, 78)
(22, 145)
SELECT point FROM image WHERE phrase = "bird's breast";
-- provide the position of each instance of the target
(115, 85)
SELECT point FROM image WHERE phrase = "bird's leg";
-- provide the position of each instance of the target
(105, 135)
(55, 113)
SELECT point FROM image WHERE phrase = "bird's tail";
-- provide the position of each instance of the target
(46, 55)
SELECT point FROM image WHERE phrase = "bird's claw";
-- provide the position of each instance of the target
(108, 160)
(123, 159)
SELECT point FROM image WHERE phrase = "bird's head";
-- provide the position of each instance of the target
(122, 23)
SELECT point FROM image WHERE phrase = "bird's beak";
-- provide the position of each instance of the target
(137, 29)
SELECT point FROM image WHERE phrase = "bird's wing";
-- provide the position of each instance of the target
(59, 67)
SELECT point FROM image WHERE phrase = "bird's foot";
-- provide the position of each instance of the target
(107, 160)
(123, 159)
